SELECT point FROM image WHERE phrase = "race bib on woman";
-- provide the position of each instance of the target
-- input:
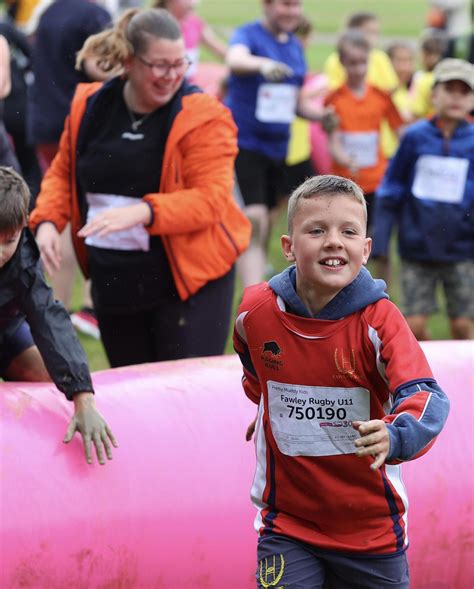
(134, 238)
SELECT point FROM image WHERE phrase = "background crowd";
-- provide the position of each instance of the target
(347, 119)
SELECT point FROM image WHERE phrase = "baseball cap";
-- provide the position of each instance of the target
(454, 69)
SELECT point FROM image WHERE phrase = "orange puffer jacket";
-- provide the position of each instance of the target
(202, 228)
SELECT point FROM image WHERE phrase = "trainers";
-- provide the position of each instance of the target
(85, 322)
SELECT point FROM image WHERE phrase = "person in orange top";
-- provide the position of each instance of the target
(144, 172)
(361, 108)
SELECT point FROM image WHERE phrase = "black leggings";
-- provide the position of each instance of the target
(174, 329)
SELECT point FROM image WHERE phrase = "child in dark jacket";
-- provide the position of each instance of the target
(37, 340)
(428, 191)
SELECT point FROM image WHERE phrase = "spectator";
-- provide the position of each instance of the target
(361, 108)
(428, 192)
(145, 175)
(7, 156)
(15, 105)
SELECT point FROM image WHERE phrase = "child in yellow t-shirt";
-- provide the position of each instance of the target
(402, 56)
(433, 47)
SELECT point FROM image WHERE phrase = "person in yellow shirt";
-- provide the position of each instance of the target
(434, 44)
(380, 73)
(380, 70)
(402, 56)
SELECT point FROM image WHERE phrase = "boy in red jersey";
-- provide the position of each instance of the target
(361, 108)
(345, 394)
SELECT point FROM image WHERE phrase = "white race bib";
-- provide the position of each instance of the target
(316, 421)
(276, 103)
(135, 238)
(442, 179)
(363, 148)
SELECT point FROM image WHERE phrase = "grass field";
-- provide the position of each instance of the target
(399, 18)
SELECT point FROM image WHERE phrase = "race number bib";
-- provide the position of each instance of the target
(442, 179)
(132, 239)
(363, 148)
(316, 421)
(276, 103)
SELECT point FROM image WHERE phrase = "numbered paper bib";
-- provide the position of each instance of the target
(134, 238)
(316, 421)
(276, 103)
(363, 148)
(442, 179)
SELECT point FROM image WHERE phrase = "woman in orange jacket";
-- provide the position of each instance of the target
(144, 173)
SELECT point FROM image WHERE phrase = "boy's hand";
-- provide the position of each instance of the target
(92, 426)
(374, 440)
(250, 430)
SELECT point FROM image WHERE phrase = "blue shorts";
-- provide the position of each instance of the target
(284, 563)
(12, 345)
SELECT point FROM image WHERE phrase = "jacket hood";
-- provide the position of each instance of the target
(362, 291)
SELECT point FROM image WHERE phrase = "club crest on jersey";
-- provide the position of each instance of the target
(270, 356)
(345, 361)
(271, 571)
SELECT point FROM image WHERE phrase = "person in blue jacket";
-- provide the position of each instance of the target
(428, 191)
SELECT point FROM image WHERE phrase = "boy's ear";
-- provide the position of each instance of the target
(287, 247)
(367, 250)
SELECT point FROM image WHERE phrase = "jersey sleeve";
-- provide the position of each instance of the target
(419, 406)
(56, 339)
(250, 382)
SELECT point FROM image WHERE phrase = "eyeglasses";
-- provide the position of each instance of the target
(163, 69)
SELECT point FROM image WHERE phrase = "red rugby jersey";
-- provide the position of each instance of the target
(311, 378)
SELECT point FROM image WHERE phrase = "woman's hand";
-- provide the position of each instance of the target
(374, 440)
(48, 240)
(92, 427)
(117, 219)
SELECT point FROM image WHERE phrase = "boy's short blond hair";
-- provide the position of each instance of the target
(14, 201)
(327, 185)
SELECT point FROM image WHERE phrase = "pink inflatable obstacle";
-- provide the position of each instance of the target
(172, 509)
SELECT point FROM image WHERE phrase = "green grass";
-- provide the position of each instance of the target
(400, 18)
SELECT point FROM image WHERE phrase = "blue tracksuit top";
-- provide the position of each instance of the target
(436, 227)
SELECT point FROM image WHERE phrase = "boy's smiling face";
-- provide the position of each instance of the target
(8, 244)
(329, 245)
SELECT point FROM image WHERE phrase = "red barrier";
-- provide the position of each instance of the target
(172, 509)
